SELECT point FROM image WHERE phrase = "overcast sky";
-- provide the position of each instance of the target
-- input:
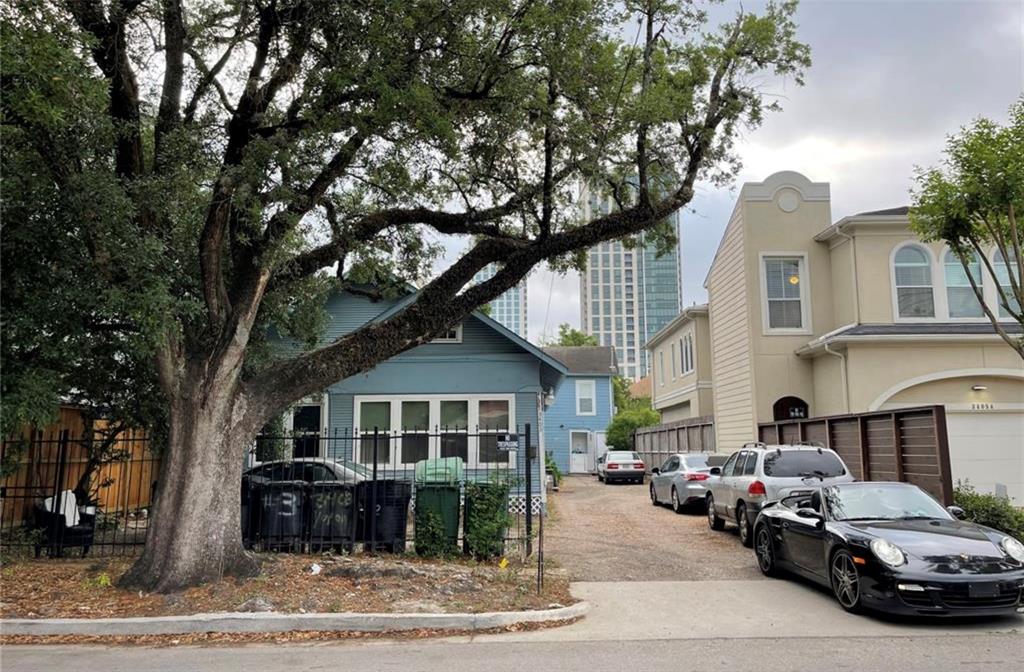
(890, 79)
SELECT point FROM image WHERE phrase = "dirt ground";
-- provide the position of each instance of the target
(87, 588)
(612, 533)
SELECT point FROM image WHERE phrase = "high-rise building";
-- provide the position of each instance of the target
(628, 294)
(509, 309)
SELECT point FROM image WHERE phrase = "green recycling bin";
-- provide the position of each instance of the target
(437, 505)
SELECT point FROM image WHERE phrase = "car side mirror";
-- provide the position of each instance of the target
(715, 471)
(655, 470)
(956, 511)
(810, 514)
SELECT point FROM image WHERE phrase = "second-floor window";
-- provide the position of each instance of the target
(686, 346)
(960, 296)
(1003, 271)
(586, 401)
(784, 294)
(912, 271)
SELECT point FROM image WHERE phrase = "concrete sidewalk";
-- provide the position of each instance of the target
(675, 610)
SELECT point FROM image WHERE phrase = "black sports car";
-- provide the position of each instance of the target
(892, 547)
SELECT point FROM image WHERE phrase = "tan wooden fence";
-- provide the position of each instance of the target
(656, 442)
(907, 445)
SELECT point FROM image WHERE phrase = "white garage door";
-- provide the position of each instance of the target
(987, 449)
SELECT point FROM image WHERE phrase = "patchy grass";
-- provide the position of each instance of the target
(88, 588)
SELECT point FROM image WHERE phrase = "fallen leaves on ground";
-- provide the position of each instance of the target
(368, 584)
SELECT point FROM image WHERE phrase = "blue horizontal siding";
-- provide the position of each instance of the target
(560, 418)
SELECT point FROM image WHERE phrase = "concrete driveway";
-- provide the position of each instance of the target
(605, 532)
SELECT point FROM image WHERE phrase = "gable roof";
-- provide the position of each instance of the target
(593, 359)
(682, 318)
(530, 348)
(902, 210)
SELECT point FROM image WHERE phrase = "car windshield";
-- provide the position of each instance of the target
(696, 461)
(872, 501)
(806, 463)
(623, 456)
(358, 468)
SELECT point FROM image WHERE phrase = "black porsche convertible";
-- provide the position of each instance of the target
(892, 547)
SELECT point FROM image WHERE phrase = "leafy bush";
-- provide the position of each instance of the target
(552, 468)
(487, 519)
(431, 538)
(989, 510)
(620, 430)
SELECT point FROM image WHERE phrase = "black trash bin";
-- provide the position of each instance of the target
(282, 509)
(383, 514)
(332, 515)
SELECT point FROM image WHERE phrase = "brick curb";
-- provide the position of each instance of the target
(276, 622)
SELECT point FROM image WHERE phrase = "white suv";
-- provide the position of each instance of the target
(760, 473)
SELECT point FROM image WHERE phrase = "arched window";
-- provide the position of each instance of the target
(913, 274)
(1003, 270)
(789, 408)
(960, 296)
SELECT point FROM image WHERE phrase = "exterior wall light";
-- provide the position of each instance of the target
(979, 388)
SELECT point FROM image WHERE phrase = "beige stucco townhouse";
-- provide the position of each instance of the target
(812, 318)
(681, 367)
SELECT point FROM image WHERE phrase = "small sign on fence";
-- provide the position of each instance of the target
(508, 442)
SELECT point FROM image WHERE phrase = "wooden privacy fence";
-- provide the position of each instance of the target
(909, 444)
(657, 442)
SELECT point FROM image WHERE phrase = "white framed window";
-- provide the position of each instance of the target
(1003, 271)
(912, 282)
(586, 397)
(686, 343)
(785, 296)
(673, 347)
(961, 300)
(418, 426)
(453, 335)
(661, 367)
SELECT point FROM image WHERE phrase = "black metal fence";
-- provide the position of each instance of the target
(449, 490)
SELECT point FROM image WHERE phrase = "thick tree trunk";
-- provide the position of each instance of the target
(194, 528)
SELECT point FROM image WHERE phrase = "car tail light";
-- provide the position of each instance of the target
(612, 465)
(696, 477)
(756, 488)
(638, 465)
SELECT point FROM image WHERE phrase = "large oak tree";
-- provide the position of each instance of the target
(220, 166)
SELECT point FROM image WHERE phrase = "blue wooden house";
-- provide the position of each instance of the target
(452, 397)
(574, 425)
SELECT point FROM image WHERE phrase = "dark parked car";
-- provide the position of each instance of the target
(892, 547)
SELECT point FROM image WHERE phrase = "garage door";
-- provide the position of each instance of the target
(987, 449)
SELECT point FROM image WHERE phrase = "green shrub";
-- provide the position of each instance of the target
(431, 538)
(622, 426)
(995, 512)
(552, 468)
(487, 519)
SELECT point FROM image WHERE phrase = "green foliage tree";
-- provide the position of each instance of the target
(209, 169)
(569, 337)
(624, 400)
(976, 201)
(620, 429)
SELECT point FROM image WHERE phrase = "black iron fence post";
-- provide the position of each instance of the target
(373, 495)
(529, 494)
(57, 520)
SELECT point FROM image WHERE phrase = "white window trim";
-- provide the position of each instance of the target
(457, 338)
(689, 363)
(675, 372)
(987, 290)
(592, 384)
(895, 294)
(805, 294)
(661, 367)
(434, 446)
(993, 291)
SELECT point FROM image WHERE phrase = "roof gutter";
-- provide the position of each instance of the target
(853, 273)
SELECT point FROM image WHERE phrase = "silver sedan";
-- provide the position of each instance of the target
(620, 465)
(681, 481)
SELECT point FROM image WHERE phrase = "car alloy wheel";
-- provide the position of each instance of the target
(845, 581)
(746, 537)
(654, 495)
(764, 549)
(676, 506)
(714, 522)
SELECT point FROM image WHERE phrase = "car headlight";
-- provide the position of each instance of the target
(1013, 548)
(888, 552)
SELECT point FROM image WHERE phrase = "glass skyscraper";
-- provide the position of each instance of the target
(628, 294)
(509, 309)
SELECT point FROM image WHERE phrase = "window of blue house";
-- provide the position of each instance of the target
(586, 393)
(375, 415)
(494, 420)
(415, 431)
(455, 429)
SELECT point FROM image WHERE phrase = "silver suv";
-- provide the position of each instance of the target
(761, 473)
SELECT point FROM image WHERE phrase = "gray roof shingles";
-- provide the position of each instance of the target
(599, 360)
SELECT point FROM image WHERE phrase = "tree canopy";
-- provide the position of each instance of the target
(569, 337)
(975, 202)
(179, 175)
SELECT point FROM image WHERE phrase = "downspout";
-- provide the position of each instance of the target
(842, 375)
(856, 287)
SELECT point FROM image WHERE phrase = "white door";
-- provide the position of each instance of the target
(579, 451)
(987, 450)
(597, 448)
